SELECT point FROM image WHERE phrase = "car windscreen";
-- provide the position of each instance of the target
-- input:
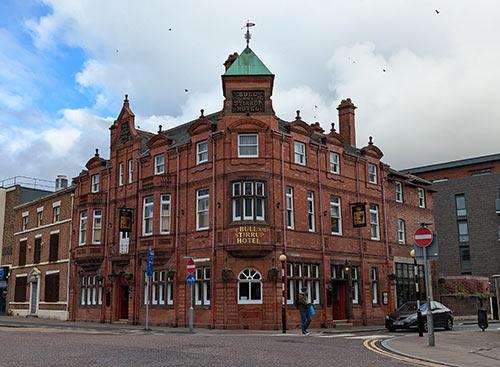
(408, 307)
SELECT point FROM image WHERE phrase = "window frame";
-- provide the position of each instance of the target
(401, 231)
(462, 211)
(374, 210)
(121, 174)
(202, 286)
(398, 188)
(202, 196)
(463, 237)
(199, 152)
(250, 280)
(82, 228)
(24, 222)
(311, 219)
(240, 196)
(355, 282)
(159, 168)
(335, 165)
(372, 176)
(290, 216)
(145, 220)
(299, 157)
(421, 197)
(130, 171)
(56, 214)
(165, 199)
(95, 185)
(98, 228)
(374, 286)
(240, 155)
(337, 204)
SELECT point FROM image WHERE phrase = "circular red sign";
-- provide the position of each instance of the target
(190, 266)
(423, 237)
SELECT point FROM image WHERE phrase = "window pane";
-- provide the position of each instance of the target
(248, 150)
(244, 291)
(255, 291)
(248, 139)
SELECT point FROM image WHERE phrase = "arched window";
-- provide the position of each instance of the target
(249, 287)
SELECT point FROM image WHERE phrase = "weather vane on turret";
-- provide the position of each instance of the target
(247, 35)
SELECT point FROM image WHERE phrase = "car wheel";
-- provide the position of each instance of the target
(449, 324)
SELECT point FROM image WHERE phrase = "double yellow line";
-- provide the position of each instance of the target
(371, 344)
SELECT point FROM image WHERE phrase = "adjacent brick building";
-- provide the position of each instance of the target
(39, 272)
(13, 191)
(234, 190)
(467, 212)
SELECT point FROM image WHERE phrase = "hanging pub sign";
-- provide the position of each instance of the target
(125, 220)
(358, 215)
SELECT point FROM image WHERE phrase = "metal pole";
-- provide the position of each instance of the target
(191, 308)
(147, 303)
(430, 320)
(283, 298)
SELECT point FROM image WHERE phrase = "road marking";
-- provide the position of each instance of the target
(334, 335)
(371, 344)
(362, 337)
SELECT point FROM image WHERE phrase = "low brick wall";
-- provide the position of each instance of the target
(464, 306)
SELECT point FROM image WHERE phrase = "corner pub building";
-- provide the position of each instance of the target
(235, 190)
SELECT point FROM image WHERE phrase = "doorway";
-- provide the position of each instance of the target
(123, 302)
(34, 295)
(338, 300)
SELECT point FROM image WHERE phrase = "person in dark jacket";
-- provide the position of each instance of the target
(303, 306)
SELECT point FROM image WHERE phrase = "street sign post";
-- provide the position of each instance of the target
(149, 274)
(423, 238)
(190, 269)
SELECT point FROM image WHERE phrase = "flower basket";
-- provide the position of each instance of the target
(227, 274)
(273, 274)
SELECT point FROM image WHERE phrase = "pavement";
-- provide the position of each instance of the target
(34, 322)
(458, 348)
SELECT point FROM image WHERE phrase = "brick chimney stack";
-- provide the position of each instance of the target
(346, 121)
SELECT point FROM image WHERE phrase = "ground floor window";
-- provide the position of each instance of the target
(405, 283)
(52, 287)
(91, 290)
(355, 284)
(161, 289)
(202, 286)
(20, 288)
(249, 287)
(303, 275)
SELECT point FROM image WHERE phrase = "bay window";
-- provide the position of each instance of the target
(248, 200)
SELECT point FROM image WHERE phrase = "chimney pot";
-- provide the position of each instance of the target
(347, 122)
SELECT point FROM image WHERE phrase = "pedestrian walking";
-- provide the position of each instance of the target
(305, 316)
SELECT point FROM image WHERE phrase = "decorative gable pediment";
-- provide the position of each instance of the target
(200, 126)
(160, 139)
(96, 161)
(372, 150)
(248, 124)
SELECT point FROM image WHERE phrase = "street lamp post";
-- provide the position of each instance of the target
(282, 259)
(417, 294)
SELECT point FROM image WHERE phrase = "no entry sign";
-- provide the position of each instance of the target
(190, 266)
(423, 237)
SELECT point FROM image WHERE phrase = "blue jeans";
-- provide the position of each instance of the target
(305, 320)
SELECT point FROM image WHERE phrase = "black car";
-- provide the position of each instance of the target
(405, 317)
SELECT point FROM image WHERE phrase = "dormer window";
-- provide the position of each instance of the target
(334, 163)
(159, 164)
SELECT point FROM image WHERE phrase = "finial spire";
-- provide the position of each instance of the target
(248, 35)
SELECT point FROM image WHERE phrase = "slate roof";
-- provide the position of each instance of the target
(454, 164)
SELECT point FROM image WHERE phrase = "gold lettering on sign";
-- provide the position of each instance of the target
(248, 101)
(249, 235)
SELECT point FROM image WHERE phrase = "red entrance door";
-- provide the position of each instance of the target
(338, 306)
(123, 302)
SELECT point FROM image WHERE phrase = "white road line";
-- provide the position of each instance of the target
(362, 337)
(335, 335)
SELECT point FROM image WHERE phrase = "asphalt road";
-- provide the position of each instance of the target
(53, 347)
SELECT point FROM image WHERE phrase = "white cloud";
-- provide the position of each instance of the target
(436, 100)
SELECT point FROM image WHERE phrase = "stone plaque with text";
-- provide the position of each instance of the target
(248, 101)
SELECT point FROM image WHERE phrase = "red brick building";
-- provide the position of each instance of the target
(39, 272)
(236, 189)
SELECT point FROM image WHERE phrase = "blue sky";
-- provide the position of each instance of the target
(65, 66)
